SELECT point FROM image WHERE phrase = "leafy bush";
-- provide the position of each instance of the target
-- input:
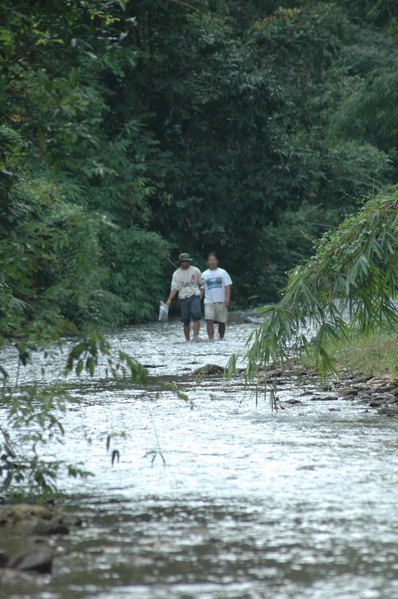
(136, 260)
(348, 287)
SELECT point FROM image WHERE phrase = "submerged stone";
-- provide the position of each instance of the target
(39, 560)
(3, 558)
(48, 527)
(209, 369)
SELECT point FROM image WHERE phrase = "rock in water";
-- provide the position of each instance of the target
(47, 527)
(39, 560)
(209, 369)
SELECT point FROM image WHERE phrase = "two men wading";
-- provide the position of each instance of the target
(191, 285)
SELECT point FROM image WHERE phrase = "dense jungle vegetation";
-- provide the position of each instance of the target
(131, 131)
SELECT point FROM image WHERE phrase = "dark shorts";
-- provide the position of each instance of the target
(190, 308)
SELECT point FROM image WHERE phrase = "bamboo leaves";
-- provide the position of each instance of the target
(349, 286)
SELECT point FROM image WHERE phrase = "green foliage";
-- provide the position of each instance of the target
(135, 260)
(374, 354)
(43, 96)
(49, 256)
(281, 248)
(349, 171)
(370, 112)
(241, 137)
(367, 110)
(348, 287)
(380, 12)
(206, 144)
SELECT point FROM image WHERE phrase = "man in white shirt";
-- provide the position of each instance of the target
(186, 281)
(217, 293)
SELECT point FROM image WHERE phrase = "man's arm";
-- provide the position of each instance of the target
(171, 296)
(174, 287)
(201, 283)
(227, 294)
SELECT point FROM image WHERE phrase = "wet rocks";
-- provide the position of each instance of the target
(38, 560)
(240, 317)
(209, 370)
(379, 391)
(48, 527)
(3, 558)
(11, 514)
(10, 576)
(37, 519)
(375, 391)
(348, 392)
(31, 525)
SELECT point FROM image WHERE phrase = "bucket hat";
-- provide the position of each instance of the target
(184, 256)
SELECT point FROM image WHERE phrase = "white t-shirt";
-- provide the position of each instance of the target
(187, 281)
(215, 282)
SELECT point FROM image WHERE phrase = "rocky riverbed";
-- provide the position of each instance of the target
(378, 392)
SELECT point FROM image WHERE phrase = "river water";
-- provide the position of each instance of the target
(216, 496)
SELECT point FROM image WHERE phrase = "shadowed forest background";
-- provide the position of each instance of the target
(133, 130)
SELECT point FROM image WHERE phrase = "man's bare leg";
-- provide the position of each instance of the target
(187, 330)
(210, 329)
(221, 329)
(196, 328)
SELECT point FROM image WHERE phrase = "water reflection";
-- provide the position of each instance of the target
(248, 503)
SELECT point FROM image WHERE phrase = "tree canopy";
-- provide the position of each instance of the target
(122, 144)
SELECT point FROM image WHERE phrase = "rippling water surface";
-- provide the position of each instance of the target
(216, 496)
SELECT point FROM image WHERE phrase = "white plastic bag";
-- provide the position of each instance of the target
(163, 312)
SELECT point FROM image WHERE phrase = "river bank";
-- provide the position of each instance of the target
(367, 367)
(375, 391)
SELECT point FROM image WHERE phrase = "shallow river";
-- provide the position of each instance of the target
(217, 496)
